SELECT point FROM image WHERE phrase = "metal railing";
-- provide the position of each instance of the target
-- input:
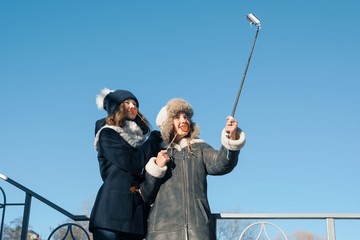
(262, 225)
(329, 219)
(27, 206)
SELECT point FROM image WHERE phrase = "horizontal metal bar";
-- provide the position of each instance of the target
(286, 215)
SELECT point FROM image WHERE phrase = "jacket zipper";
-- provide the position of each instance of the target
(185, 193)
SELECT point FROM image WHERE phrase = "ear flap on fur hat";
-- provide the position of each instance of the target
(161, 117)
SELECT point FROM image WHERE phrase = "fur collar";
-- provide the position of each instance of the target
(131, 132)
(184, 143)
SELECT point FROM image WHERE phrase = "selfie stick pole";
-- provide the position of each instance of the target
(255, 21)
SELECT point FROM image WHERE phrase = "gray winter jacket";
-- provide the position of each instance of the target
(179, 190)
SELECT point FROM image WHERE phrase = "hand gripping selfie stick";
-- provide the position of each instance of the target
(255, 21)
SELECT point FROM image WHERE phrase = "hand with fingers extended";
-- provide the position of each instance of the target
(162, 158)
(231, 128)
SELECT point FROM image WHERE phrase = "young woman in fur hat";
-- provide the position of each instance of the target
(119, 213)
(176, 182)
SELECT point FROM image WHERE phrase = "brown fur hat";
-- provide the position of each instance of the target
(165, 117)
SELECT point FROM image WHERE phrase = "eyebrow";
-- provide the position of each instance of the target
(184, 113)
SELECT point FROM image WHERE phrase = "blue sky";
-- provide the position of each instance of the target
(298, 108)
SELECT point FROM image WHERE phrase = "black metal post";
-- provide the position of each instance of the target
(3, 206)
(26, 217)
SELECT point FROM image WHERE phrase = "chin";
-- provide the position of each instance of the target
(183, 134)
(131, 117)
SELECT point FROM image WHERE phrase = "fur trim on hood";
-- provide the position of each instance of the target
(165, 117)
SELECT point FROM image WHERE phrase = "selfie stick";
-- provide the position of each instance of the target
(255, 21)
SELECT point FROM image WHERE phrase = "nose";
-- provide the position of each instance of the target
(133, 108)
(132, 105)
(182, 119)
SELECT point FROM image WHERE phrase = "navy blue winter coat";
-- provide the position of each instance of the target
(122, 156)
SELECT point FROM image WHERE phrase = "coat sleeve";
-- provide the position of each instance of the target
(224, 161)
(151, 146)
(219, 162)
(153, 179)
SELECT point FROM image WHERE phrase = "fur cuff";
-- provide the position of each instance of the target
(233, 145)
(154, 170)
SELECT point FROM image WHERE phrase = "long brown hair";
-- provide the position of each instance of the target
(118, 119)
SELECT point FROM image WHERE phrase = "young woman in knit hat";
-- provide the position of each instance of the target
(119, 213)
(176, 182)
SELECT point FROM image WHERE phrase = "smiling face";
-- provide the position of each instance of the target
(181, 125)
(130, 107)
